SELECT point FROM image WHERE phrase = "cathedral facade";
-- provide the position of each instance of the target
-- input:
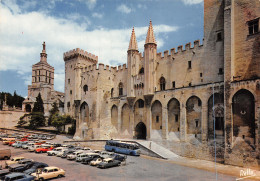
(182, 99)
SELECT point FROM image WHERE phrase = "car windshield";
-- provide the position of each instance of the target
(45, 170)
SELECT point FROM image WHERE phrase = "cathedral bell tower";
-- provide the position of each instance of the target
(150, 52)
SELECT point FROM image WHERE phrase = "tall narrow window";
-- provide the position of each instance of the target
(85, 88)
(120, 89)
(176, 117)
(162, 83)
(253, 26)
(140, 103)
(219, 36)
(200, 74)
(157, 119)
(189, 64)
(68, 81)
(112, 92)
(173, 84)
(220, 71)
(49, 81)
(39, 79)
(141, 71)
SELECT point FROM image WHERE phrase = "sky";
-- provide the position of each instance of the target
(101, 27)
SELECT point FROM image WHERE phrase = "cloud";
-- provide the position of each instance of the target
(97, 15)
(89, 3)
(142, 6)
(124, 9)
(191, 2)
(23, 34)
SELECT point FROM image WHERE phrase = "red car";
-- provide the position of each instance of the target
(43, 149)
(11, 142)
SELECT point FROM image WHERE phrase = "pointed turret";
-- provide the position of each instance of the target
(150, 35)
(43, 54)
(133, 43)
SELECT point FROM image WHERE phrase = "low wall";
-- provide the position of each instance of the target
(9, 119)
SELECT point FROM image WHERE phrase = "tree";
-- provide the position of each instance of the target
(38, 105)
(59, 122)
(53, 111)
(37, 115)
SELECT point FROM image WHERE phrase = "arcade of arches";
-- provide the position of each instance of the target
(134, 122)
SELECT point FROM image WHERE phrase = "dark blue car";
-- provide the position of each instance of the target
(18, 177)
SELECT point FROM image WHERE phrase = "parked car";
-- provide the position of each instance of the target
(90, 158)
(30, 144)
(56, 145)
(48, 173)
(5, 154)
(55, 151)
(107, 163)
(84, 155)
(33, 148)
(43, 149)
(67, 152)
(60, 153)
(3, 173)
(14, 160)
(18, 176)
(74, 155)
(119, 157)
(96, 161)
(18, 167)
(16, 143)
(36, 166)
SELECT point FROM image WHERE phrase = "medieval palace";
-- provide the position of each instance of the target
(180, 98)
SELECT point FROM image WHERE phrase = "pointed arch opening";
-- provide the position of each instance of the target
(125, 118)
(162, 83)
(243, 110)
(173, 115)
(193, 116)
(156, 115)
(84, 113)
(114, 116)
(140, 131)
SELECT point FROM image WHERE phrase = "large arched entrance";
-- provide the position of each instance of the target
(243, 106)
(140, 131)
(84, 113)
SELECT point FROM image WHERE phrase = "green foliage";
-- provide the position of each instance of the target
(38, 105)
(72, 129)
(22, 122)
(12, 100)
(59, 121)
(37, 120)
(54, 110)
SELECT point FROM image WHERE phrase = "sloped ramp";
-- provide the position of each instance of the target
(158, 149)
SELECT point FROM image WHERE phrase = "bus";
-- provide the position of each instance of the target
(123, 147)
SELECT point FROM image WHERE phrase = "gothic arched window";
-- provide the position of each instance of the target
(162, 83)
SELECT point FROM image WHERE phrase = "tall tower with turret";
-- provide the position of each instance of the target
(132, 60)
(150, 51)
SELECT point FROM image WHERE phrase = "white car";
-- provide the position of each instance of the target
(74, 155)
(48, 173)
(84, 155)
(61, 153)
(33, 148)
(96, 161)
(55, 151)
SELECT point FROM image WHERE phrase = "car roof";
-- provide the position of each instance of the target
(17, 157)
(107, 159)
(52, 167)
(15, 174)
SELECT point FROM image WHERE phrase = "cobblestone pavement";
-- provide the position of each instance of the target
(136, 168)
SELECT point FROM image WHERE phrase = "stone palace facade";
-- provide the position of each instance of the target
(177, 97)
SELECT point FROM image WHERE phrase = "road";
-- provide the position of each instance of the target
(136, 168)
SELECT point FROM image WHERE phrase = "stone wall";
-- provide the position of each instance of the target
(9, 119)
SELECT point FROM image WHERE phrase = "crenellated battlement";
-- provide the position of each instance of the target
(102, 67)
(79, 52)
(180, 49)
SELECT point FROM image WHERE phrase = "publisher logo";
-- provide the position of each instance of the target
(246, 173)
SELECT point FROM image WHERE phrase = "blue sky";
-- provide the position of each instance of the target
(101, 27)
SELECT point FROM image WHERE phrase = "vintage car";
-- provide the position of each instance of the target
(18, 176)
(84, 155)
(90, 158)
(96, 161)
(73, 155)
(107, 163)
(33, 148)
(55, 151)
(16, 143)
(66, 152)
(14, 160)
(11, 143)
(35, 167)
(119, 157)
(48, 173)
(20, 167)
(43, 149)
(3, 173)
